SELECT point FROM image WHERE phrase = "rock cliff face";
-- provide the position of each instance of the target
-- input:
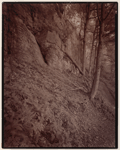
(44, 104)
(55, 38)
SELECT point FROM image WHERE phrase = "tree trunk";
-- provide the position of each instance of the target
(99, 56)
(84, 53)
(95, 60)
(91, 54)
(97, 74)
(84, 41)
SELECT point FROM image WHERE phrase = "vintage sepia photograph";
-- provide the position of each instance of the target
(60, 83)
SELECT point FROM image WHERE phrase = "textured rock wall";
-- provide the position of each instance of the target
(43, 31)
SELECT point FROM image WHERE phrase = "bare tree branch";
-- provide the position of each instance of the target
(109, 12)
(97, 13)
(111, 19)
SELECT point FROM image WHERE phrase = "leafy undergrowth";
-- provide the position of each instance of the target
(46, 108)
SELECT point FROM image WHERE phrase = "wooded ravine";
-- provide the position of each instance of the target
(59, 75)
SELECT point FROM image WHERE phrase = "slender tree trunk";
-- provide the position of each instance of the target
(95, 56)
(90, 66)
(96, 51)
(85, 40)
(99, 56)
(95, 59)
(84, 52)
(97, 74)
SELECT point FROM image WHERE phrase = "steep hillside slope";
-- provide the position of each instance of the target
(46, 97)
(43, 109)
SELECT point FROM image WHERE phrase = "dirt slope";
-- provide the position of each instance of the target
(46, 107)
(43, 109)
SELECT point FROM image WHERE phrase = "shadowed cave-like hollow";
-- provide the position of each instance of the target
(59, 74)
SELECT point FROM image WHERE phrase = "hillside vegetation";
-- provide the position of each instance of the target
(47, 90)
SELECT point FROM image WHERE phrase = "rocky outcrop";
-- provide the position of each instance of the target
(44, 104)
(57, 40)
